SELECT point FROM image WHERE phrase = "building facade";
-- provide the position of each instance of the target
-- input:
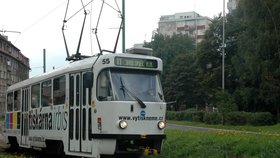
(189, 23)
(14, 67)
(232, 5)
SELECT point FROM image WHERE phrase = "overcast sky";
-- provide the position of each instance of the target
(40, 23)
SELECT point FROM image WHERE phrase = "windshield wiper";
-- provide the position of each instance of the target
(124, 89)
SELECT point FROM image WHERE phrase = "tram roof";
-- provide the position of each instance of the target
(86, 63)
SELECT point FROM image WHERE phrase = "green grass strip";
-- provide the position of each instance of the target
(219, 144)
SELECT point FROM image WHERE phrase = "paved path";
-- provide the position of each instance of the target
(205, 129)
(190, 128)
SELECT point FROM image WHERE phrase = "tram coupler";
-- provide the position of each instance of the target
(148, 151)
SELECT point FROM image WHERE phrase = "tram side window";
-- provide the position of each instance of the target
(17, 98)
(46, 93)
(71, 91)
(59, 90)
(104, 90)
(35, 96)
(10, 102)
(87, 86)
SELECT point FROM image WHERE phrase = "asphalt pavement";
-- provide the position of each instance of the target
(189, 128)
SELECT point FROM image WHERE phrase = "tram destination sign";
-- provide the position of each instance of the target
(136, 62)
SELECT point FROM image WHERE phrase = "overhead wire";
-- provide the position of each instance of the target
(39, 20)
(43, 17)
(79, 10)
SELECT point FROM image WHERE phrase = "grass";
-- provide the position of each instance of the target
(216, 144)
(8, 155)
(274, 129)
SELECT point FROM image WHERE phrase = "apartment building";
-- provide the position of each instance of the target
(14, 67)
(189, 23)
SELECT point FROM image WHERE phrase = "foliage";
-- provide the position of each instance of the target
(230, 118)
(192, 76)
(262, 118)
(258, 55)
(243, 118)
(225, 104)
(179, 75)
(196, 116)
(212, 118)
(238, 118)
(181, 82)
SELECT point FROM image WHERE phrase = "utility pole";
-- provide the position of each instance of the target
(123, 27)
(44, 60)
(223, 49)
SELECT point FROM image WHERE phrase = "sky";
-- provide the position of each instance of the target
(40, 23)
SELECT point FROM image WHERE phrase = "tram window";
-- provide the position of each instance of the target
(84, 121)
(35, 96)
(87, 84)
(89, 124)
(77, 90)
(10, 102)
(71, 91)
(46, 95)
(104, 90)
(59, 90)
(17, 98)
(71, 124)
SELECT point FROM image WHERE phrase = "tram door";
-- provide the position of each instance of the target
(24, 117)
(80, 92)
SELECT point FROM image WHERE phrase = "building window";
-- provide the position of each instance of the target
(201, 27)
(59, 90)
(46, 93)
(35, 96)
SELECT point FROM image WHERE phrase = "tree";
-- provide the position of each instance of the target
(225, 103)
(181, 81)
(209, 57)
(178, 74)
(166, 47)
(258, 55)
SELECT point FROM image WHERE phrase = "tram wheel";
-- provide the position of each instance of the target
(54, 147)
(13, 143)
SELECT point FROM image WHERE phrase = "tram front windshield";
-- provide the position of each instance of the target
(128, 85)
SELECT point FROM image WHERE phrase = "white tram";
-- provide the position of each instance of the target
(102, 105)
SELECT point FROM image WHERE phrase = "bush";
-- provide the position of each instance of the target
(243, 118)
(196, 116)
(238, 118)
(231, 118)
(212, 118)
(262, 118)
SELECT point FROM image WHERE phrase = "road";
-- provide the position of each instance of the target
(189, 128)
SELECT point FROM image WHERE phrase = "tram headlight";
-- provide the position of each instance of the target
(161, 124)
(123, 124)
